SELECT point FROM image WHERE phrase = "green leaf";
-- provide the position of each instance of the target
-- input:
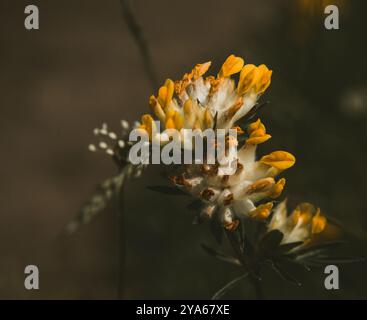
(271, 241)
(285, 275)
(220, 293)
(220, 256)
(316, 251)
(284, 248)
(322, 247)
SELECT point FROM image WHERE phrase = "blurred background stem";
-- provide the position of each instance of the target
(140, 40)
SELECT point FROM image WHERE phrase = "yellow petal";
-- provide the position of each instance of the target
(147, 120)
(318, 223)
(279, 159)
(231, 66)
(303, 213)
(306, 207)
(143, 127)
(208, 118)
(254, 78)
(239, 130)
(188, 109)
(277, 189)
(152, 101)
(257, 133)
(181, 85)
(200, 69)
(255, 126)
(214, 84)
(162, 95)
(170, 85)
(157, 109)
(259, 139)
(170, 124)
(170, 113)
(262, 211)
(262, 79)
(197, 124)
(148, 123)
(165, 93)
(247, 76)
(178, 120)
(260, 185)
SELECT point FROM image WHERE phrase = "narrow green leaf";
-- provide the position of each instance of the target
(220, 256)
(285, 274)
(220, 293)
(285, 248)
(271, 241)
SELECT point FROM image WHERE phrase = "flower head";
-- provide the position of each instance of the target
(194, 101)
(198, 102)
(301, 225)
(233, 199)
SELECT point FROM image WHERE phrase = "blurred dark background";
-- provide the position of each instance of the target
(83, 68)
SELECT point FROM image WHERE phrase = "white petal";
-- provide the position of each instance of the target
(243, 207)
(279, 218)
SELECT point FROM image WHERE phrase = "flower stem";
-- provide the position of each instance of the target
(252, 267)
(121, 245)
(257, 287)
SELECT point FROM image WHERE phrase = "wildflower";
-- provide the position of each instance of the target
(198, 102)
(304, 237)
(194, 101)
(301, 225)
(246, 197)
(116, 145)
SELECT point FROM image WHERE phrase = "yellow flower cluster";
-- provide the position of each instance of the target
(195, 102)
(188, 111)
(301, 225)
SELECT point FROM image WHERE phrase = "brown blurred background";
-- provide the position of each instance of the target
(83, 68)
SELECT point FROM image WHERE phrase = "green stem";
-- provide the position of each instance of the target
(121, 246)
(259, 294)
(253, 268)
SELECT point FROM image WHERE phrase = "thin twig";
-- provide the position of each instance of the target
(138, 35)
